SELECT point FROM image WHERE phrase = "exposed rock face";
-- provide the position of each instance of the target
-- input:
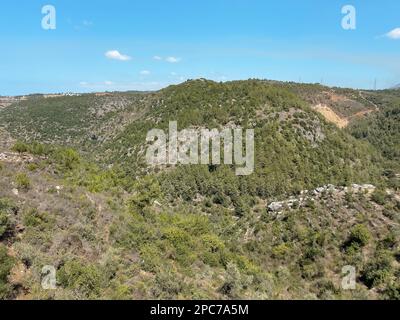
(331, 116)
(315, 194)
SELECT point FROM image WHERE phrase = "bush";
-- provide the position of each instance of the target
(6, 264)
(379, 197)
(32, 166)
(82, 277)
(147, 190)
(359, 236)
(34, 219)
(4, 223)
(235, 282)
(392, 292)
(6, 208)
(281, 251)
(22, 181)
(377, 272)
(67, 159)
(168, 284)
(20, 147)
(38, 149)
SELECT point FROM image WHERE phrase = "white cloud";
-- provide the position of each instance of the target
(174, 74)
(108, 83)
(172, 59)
(394, 34)
(116, 55)
(83, 83)
(87, 23)
(84, 25)
(145, 72)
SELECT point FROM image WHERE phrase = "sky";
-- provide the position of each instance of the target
(120, 45)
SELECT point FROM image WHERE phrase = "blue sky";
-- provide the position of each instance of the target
(145, 45)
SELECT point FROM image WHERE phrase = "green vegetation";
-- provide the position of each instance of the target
(359, 237)
(6, 211)
(379, 196)
(378, 271)
(6, 264)
(127, 231)
(22, 181)
(20, 147)
(381, 129)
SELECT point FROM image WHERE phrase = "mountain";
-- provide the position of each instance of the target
(77, 194)
(112, 129)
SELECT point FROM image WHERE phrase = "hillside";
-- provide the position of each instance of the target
(77, 194)
(107, 243)
(80, 121)
(381, 129)
(284, 125)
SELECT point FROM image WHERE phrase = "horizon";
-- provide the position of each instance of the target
(135, 46)
(188, 80)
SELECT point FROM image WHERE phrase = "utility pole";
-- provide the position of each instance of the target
(375, 85)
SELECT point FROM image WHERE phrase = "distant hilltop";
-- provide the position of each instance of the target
(6, 101)
(66, 94)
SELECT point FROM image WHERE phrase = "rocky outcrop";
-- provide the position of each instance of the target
(12, 157)
(316, 194)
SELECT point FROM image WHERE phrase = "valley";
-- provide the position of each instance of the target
(77, 194)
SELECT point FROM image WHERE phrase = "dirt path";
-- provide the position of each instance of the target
(369, 101)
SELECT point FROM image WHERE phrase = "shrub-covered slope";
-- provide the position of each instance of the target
(110, 237)
(134, 232)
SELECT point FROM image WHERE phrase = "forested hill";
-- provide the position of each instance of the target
(77, 194)
(296, 148)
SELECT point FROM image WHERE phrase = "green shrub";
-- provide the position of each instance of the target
(379, 196)
(20, 147)
(34, 218)
(213, 249)
(32, 166)
(67, 159)
(378, 271)
(235, 281)
(6, 210)
(22, 181)
(392, 291)
(4, 223)
(359, 236)
(168, 284)
(281, 251)
(6, 264)
(85, 278)
(38, 149)
(147, 190)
